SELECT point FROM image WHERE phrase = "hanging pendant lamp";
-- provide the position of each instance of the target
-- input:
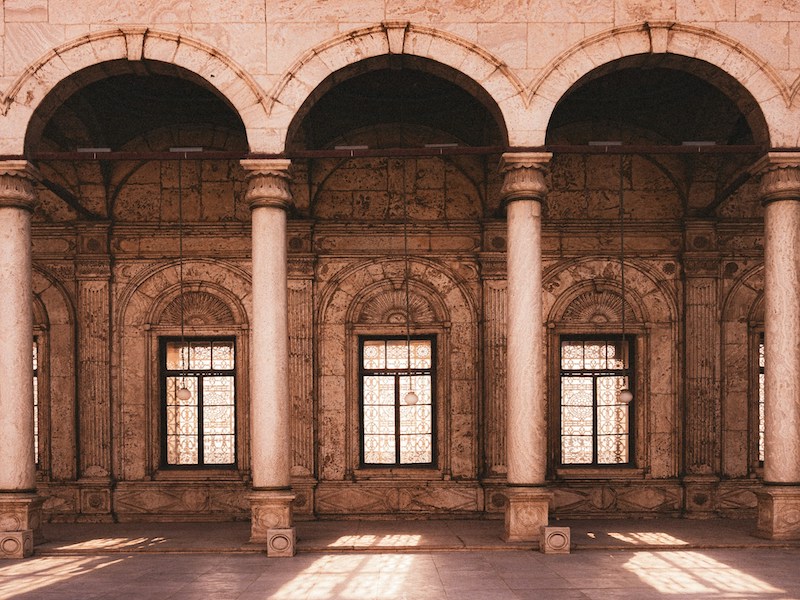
(411, 396)
(624, 393)
(184, 393)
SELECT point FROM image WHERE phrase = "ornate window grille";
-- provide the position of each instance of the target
(199, 431)
(596, 426)
(394, 432)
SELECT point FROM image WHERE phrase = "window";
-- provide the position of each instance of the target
(199, 403)
(36, 400)
(761, 399)
(397, 427)
(596, 424)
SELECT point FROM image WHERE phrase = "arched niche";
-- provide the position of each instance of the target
(585, 296)
(54, 329)
(742, 328)
(368, 298)
(216, 302)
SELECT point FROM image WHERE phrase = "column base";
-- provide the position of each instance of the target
(527, 511)
(20, 524)
(269, 509)
(778, 513)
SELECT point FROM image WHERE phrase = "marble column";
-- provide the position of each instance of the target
(270, 407)
(524, 189)
(20, 508)
(779, 502)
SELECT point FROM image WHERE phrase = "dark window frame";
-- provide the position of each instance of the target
(164, 373)
(362, 372)
(629, 371)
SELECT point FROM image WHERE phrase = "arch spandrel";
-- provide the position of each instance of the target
(232, 82)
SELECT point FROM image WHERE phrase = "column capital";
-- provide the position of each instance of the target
(524, 175)
(267, 183)
(780, 176)
(16, 184)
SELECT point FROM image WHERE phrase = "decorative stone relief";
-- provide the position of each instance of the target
(197, 308)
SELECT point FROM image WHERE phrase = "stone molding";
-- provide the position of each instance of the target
(16, 184)
(524, 176)
(268, 183)
(780, 176)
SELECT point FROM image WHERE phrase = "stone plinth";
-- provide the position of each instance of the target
(20, 524)
(526, 513)
(779, 513)
(270, 509)
(700, 496)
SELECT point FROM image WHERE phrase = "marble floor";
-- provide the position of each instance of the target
(359, 560)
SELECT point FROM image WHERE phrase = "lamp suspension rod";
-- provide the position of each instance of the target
(622, 242)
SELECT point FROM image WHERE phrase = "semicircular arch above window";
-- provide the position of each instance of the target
(199, 308)
(598, 307)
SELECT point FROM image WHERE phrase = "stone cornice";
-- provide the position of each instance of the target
(780, 176)
(267, 183)
(524, 175)
(16, 184)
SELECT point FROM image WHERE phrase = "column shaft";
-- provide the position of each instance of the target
(781, 335)
(17, 466)
(269, 366)
(526, 416)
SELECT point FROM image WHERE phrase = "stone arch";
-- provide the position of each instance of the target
(754, 74)
(482, 69)
(591, 286)
(648, 297)
(146, 309)
(742, 320)
(132, 44)
(54, 321)
(147, 296)
(351, 303)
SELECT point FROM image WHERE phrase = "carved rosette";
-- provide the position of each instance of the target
(267, 183)
(780, 176)
(16, 184)
(524, 176)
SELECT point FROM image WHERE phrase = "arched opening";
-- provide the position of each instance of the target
(389, 103)
(137, 107)
(653, 100)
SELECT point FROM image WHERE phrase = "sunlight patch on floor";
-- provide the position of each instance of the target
(379, 541)
(695, 573)
(47, 571)
(350, 577)
(652, 538)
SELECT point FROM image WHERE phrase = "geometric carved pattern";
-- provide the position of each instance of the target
(199, 308)
(597, 307)
(390, 307)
